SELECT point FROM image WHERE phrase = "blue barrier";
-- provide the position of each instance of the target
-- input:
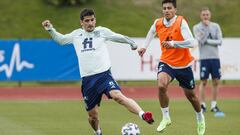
(37, 60)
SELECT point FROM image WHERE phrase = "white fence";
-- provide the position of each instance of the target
(127, 65)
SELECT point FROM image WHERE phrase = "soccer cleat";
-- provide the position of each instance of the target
(163, 124)
(147, 116)
(97, 133)
(201, 128)
(204, 109)
(215, 109)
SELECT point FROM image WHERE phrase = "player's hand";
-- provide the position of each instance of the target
(206, 22)
(167, 45)
(134, 47)
(141, 51)
(47, 25)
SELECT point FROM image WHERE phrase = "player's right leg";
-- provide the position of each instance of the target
(131, 105)
(94, 121)
(92, 99)
(163, 81)
(165, 76)
(202, 87)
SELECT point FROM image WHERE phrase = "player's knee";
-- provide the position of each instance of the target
(93, 118)
(118, 97)
(191, 96)
(204, 83)
(215, 83)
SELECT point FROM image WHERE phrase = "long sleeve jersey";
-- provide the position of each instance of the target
(209, 38)
(173, 57)
(188, 42)
(91, 47)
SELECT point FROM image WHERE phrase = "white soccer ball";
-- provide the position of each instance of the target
(130, 129)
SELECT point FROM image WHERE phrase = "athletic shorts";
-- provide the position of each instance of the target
(210, 66)
(184, 76)
(94, 86)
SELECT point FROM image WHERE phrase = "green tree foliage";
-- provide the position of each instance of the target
(66, 2)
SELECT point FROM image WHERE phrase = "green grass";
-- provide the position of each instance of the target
(121, 83)
(21, 19)
(70, 118)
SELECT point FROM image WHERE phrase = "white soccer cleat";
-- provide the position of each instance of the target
(163, 124)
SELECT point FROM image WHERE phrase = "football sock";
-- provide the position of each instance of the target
(165, 112)
(98, 132)
(204, 104)
(199, 116)
(213, 104)
(140, 114)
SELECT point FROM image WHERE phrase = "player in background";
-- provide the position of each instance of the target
(90, 44)
(209, 36)
(175, 61)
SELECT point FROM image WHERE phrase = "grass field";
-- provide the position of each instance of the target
(121, 82)
(39, 117)
(129, 17)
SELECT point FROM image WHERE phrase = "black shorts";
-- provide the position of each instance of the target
(184, 76)
(210, 66)
(95, 85)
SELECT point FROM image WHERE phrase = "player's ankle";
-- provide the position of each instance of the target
(140, 114)
(98, 132)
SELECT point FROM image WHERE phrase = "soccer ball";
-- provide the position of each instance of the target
(130, 129)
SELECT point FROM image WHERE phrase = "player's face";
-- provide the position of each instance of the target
(169, 11)
(88, 23)
(205, 16)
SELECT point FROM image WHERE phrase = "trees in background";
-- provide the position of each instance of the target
(67, 2)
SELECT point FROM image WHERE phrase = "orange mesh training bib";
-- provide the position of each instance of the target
(176, 57)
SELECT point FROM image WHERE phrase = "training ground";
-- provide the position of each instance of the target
(60, 111)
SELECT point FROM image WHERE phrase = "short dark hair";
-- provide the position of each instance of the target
(170, 1)
(86, 12)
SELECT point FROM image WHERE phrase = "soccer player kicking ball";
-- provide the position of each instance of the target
(94, 63)
(175, 62)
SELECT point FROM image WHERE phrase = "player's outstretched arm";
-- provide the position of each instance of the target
(58, 37)
(122, 39)
(47, 25)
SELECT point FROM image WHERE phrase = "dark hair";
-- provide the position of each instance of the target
(86, 12)
(170, 1)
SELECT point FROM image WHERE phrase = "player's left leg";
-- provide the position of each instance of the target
(215, 88)
(191, 96)
(186, 81)
(202, 89)
(216, 75)
(205, 68)
(131, 105)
